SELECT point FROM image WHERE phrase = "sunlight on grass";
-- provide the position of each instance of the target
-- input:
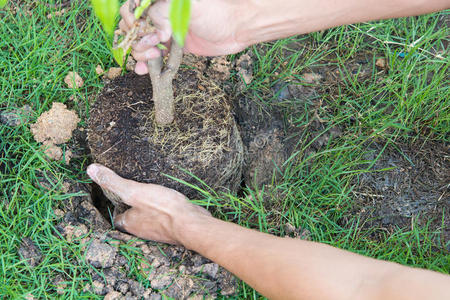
(408, 100)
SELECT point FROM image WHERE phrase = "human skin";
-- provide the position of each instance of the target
(278, 268)
(220, 27)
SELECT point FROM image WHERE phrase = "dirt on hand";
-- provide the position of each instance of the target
(55, 127)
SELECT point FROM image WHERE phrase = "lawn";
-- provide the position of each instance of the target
(384, 85)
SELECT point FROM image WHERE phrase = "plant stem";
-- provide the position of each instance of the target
(162, 84)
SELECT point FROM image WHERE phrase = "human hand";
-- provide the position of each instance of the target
(157, 213)
(212, 31)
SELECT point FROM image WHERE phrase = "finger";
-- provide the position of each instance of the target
(127, 16)
(122, 221)
(146, 55)
(147, 42)
(123, 26)
(141, 68)
(125, 189)
(159, 14)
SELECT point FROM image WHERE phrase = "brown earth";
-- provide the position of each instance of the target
(163, 269)
(203, 140)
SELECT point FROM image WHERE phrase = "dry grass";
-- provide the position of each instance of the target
(204, 128)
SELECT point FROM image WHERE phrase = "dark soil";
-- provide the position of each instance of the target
(30, 252)
(408, 183)
(264, 137)
(203, 140)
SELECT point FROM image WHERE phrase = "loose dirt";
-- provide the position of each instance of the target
(16, 117)
(413, 186)
(30, 252)
(162, 269)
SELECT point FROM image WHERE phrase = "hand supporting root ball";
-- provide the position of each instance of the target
(157, 213)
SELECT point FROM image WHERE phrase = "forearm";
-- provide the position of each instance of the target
(270, 20)
(284, 268)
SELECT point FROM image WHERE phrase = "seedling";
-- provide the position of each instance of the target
(161, 74)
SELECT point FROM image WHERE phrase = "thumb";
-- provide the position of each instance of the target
(132, 221)
(113, 183)
(121, 222)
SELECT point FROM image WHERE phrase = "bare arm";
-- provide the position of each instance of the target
(285, 268)
(220, 27)
(270, 20)
(279, 268)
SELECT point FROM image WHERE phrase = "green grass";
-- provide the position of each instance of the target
(408, 101)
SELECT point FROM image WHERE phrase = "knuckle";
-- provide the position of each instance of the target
(133, 197)
(102, 179)
(124, 9)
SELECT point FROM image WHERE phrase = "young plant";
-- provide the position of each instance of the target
(161, 74)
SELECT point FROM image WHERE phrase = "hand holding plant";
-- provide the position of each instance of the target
(161, 74)
(212, 31)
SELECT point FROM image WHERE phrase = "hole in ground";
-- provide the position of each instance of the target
(101, 202)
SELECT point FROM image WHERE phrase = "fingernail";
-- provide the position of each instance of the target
(118, 224)
(92, 171)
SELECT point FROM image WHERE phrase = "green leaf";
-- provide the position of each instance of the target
(141, 8)
(179, 16)
(106, 11)
(3, 3)
(119, 55)
(161, 47)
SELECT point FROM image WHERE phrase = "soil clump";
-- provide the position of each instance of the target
(55, 127)
(203, 140)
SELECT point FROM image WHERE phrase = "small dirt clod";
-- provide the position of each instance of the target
(100, 255)
(113, 73)
(30, 252)
(73, 80)
(55, 125)
(16, 117)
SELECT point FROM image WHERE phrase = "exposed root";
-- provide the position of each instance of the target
(217, 133)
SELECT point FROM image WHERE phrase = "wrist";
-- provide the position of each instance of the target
(188, 227)
(266, 20)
